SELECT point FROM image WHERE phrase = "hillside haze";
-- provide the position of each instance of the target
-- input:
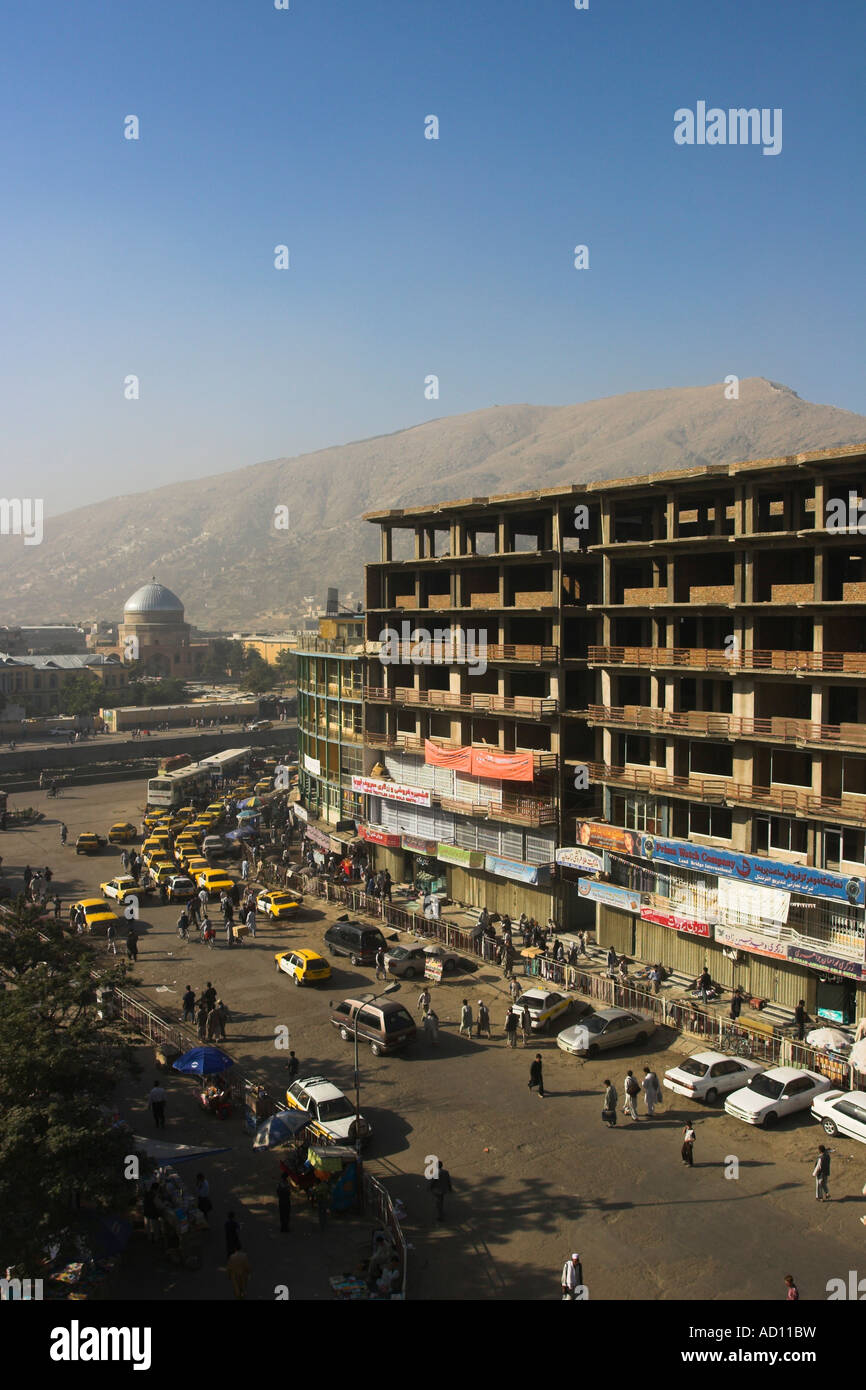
(215, 543)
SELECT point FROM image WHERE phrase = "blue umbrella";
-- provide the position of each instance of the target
(203, 1061)
(280, 1128)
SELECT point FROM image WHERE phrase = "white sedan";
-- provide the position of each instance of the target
(708, 1075)
(774, 1093)
(842, 1112)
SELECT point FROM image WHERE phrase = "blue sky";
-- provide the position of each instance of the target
(408, 256)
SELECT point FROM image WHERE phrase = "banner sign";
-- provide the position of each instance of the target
(300, 812)
(391, 791)
(318, 837)
(433, 966)
(576, 857)
(482, 762)
(313, 765)
(417, 845)
(376, 836)
(836, 965)
(467, 858)
(516, 870)
(687, 925)
(749, 868)
(623, 898)
(747, 900)
(741, 939)
(602, 836)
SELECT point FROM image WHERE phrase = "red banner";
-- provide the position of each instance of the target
(677, 923)
(379, 837)
(481, 762)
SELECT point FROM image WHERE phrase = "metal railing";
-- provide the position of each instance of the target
(713, 659)
(535, 706)
(726, 725)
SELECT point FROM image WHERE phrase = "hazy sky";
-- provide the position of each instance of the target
(408, 256)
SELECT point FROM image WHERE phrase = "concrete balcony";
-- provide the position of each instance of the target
(524, 810)
(723, 791)
(728, 726)
(542, 760)
(526, 706)
(709, 659)
(495, 653)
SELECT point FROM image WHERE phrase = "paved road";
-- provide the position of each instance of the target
(534, 1179)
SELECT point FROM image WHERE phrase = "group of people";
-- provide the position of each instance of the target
(37, 883)
(649, 1087)
(207, 1012)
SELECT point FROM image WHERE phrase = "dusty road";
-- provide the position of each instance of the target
(533, 1179)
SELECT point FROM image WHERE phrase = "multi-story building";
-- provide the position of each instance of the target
(676, 668)
(36, 683)
(330, 728)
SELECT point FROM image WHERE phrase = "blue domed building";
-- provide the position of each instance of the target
(153, 632)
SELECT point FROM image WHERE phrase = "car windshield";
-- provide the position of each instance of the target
(400, 1018)
(281, 898)
(764, 1085)
(398, 953)
(338, 1109)
(595, 1024)
(535, 1003)
(693, 1068)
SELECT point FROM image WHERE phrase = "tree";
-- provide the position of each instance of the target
(225, 658)
(83, 694)
(59, 1063)
(258, 677)
(287, 666)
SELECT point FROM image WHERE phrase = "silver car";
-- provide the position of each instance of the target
(605, 1029)
(409, 961)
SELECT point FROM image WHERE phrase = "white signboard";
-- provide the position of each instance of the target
(746, 899)
(313, 765)
(576, 857)
(391, 791)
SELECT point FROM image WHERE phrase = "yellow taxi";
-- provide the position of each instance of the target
(154, 818)
(302, 966)
(278, 905)
(89, 842)
(123, 832)
(185, 813)
(185, 842)
(163, 872)
(198, 828)
(118, 888)
(266, 785)
(217, 809)
(97, 913)
(195, 864)
(215, 881)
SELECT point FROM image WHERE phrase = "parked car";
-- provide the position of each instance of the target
(97, 914)
(355, 940)
(259, 726)
(603, 1030)
(89, 842)
(180, 888)
(215, 881)
(409, 961)
(123, 832)
(278, 906)
(331, 1113)
(118, 888)
(303, 966)
(385, 1025)
(774, 1093)
(842, 1112)
(708, 1075)
(213, 845)
(545, 1005)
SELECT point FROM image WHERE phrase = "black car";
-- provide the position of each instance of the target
(355, 940)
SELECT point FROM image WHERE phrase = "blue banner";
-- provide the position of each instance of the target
(514, 869)
(750, 868)
(626, 899)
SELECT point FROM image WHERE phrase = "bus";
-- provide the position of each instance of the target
(173, 763)
(228, 764)
(173, 789)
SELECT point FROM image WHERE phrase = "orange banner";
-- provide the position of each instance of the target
(461, 758)
(509, 767)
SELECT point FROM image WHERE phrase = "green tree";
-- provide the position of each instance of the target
(59, 1063)
(259, 677)
(225, 659)
(83, 694)
(287, 666)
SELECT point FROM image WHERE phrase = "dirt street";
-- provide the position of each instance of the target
(533, 1178)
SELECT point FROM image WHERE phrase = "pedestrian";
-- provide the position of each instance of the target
(801, 1018)
(686, 1151)
(465, 1019)
(572, 1278)
(183, 926)
(57, 908)
(284, 1202)
(793, 1293)
(202, 1187)
(736, 1002)
(212, 1024)
(652, 1091)
(515, 991)
(483, 1018)
(132, 944)
(631, 1088)
(511, 1028)
(431, 1027)
(64, 833)
(612, 962)
(386, 886)
(204, 900)
(321, 1199)
(821, 1174)
(232, 1234)
(705, 983)
(230, 933)
(157, 1104)
(294, 1067)
(28, 874)
(194, 911)
(526, 1024)
(245, 868)
(239, 1271)
(47, 875)
(189, 1005)
(536, 1076)
(581, 945)
(201, 1018)
(608, 1113)
(381, 973)
(440, 1186)
(424, 1001)
(222, 1016)
(209, 995)
(508, 960)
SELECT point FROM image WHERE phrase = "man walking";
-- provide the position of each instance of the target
(157, 1105)
(431, 1027)
(631, 1087)
(201, 1018)
(572, 1278)
(686, 1152)
(511, 1028)
(132, 945)
(483, 1018)
(230, 933)
(189, 1005)
(652, 1092)
(536, 1076)
(424, 1001)
(821, 1174)
(801, 1018)
(608, 1113)
(526, 1024)
(294, 1067)
(381, 973)
(440, 1186)
(465, 1019)
(284, 1202)
(110, 938)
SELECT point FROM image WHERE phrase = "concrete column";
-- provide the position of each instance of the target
(387, 544)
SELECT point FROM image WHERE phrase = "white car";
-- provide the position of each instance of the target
(842, 1112)
(330, 1112)
(771, 1094)
(708, 1075)
(546, 1005)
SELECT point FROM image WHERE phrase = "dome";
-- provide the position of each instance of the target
(153, 598)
